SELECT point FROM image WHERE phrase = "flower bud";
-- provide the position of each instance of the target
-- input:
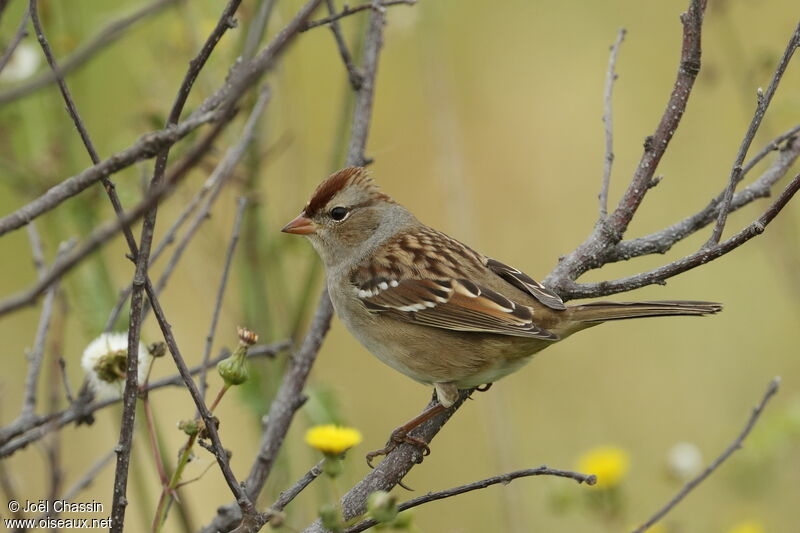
(190, 427)
(333, 466)
(330, 517)
(234, 369)
(157, 349)
(382, 506)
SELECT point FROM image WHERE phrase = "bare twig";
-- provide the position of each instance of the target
(762, 104)
(22, 32)
(215, 107)
(146, 147)
(290, 394)
(141, 283)
(237, 224)
(218, 178)
(347, 11)
(35, 429)
(353, 74)
(37, 252)
(610, 230)
(661, 241)
(611, 77)
(37, 352)
(659, 275)
(504, 479)
(257, 28)
(84, 53)
(772, 389)
(108, 230)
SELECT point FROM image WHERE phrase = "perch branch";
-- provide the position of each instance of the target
(772, 389)
(353, 74)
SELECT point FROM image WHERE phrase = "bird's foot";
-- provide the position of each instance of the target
(484, 387)
(399, 436)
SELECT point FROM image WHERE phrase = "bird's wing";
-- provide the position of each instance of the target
(527, 284)
(428, 278)
(455, 304)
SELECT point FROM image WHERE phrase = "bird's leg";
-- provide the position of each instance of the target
(401, 434)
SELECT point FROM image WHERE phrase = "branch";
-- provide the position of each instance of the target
(141, 283)
(610, 230)
(22, 32)
(290, 394)
(36, 428)
(764, 100)
(701, 257)
(504, 479)
(661, 241)
(84, 53)
(110, 229)
(611, 77)
(772, 389)
(237, 224)
(347, 11)
(394, 466)
(353, 74)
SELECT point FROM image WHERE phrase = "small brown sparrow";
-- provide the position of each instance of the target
(431, 307)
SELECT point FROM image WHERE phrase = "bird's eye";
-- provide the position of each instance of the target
(339, 213)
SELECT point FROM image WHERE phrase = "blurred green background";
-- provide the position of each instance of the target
(487, 126)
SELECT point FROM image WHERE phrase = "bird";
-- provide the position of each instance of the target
(430, 306)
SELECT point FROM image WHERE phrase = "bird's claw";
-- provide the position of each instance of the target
(399, 436)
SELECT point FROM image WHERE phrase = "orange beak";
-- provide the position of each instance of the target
(300, 226)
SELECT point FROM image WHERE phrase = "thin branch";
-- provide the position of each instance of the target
(504, 479)
(215, 107)
(611, 77)
(772, 389)
(141, 283)
(147, 146)
(37, 352)
(108, 230)
(237, 224)
(219, 177)
(22, 32)
(701, 257)
(347, 11)
(36, 428)
(661, 241)
(610, 230)
(353, 74)
(763, 102)
(290, 394)
(112, 32)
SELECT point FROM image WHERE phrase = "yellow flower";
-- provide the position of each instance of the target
(331, 439)
(608, 463)
(750, 526)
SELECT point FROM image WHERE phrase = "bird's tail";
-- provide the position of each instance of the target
(596, 312)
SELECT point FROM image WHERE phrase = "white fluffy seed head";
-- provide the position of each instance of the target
(99, 354)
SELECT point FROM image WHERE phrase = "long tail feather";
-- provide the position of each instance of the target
(604, 311)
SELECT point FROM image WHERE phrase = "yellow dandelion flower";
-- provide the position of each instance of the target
(331, 439)
(608, 463)
(750, 526)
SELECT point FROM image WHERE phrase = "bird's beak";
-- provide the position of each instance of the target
(300, 226)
